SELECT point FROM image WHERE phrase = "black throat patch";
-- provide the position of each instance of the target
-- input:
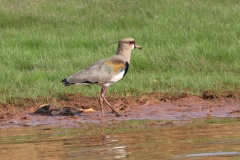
(126, 66)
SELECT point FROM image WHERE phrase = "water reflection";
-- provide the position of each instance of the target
(124, 142)
(212, 154)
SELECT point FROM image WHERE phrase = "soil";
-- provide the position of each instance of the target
(72, 110)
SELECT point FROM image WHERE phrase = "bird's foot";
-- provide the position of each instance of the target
(117, 114)
(120, 108)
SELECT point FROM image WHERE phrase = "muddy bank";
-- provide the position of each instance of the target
(72, 110)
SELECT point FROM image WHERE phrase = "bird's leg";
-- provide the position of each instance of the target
(102, 98)
(101, 104)
(113, 110)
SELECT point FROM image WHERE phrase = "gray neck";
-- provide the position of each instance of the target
(125, 53)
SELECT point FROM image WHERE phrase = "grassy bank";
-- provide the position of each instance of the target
(188, 46)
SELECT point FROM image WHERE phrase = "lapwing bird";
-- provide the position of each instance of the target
(107, 71)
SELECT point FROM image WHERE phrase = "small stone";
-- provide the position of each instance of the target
(43, 109)
(121, 107)
(55, 112)
(45, 106)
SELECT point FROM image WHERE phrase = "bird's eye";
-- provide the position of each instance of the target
(131, 42)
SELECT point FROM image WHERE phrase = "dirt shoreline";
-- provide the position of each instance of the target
(70, 110)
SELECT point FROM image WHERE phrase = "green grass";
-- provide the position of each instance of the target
(188, 46)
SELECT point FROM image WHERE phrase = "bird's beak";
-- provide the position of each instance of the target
(137, 46)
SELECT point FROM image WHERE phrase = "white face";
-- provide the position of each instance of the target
(132, 43)
(129, 44)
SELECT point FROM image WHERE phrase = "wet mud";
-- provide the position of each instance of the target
(75, 110)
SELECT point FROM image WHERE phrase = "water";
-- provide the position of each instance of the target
(123, 141)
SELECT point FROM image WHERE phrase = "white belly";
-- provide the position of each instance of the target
(115, 78)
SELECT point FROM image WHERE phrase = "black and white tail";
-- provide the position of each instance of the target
(66, 83)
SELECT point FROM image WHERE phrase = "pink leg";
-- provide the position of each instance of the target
(102, 98)
(103, 91)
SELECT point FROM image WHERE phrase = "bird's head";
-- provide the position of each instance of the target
(128, 44)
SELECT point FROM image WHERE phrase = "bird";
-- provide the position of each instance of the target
(106, 71)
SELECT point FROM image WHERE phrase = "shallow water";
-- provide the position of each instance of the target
(125, 140)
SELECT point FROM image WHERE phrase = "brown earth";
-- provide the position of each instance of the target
(72, 110)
